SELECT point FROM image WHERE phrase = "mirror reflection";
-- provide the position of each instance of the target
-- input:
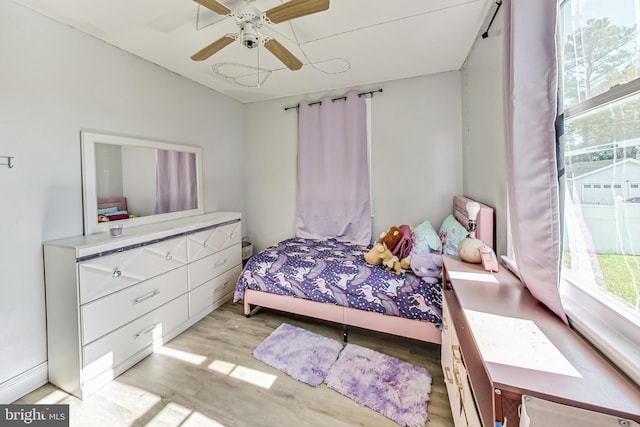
(134, 181)
(137, 181)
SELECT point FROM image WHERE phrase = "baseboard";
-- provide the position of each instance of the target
(16, 387)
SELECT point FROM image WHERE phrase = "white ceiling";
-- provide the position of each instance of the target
(353, 43)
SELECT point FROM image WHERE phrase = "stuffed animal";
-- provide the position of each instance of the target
(427, 265)
(391, 237)
(376, 254)
(391, 262)
(103, 218)
(405, 264)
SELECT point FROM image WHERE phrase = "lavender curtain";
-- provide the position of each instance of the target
(176, 185)
(333, 176)
(530, 101)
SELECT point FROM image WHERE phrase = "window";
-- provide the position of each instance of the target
(600, 60)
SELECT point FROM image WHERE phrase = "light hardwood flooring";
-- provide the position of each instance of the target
(186, 382)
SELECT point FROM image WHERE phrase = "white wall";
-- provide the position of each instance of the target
(416, 156)
(55, 81)
(139, 187)
(108, 170)
(484, 156)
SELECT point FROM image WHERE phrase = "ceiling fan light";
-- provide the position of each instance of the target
(249, 36)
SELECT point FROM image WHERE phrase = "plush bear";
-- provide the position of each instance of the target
(391, 237)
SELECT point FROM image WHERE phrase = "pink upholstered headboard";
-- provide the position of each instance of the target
(110, 202)
(484, 229)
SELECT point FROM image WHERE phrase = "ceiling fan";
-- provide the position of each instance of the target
(250, 20)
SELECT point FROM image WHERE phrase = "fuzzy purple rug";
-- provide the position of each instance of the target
(299, 353)
(396, 389)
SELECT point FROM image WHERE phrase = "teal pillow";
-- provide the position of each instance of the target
(451, 232)
(425, 239)
(107, 211)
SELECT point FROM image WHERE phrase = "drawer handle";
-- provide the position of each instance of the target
(117, 273)
(456, 377)
(447, 374)
(221, 287)
(455, 349)
(145, 297)
(219, 263)
(444, 323)
(168, 256)
(145, 331)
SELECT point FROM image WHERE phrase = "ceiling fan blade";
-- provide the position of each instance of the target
(214, 6)
(213, 48)
(295, 9)
(280, 52)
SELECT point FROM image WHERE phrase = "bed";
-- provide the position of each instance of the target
(112, 208)
(329, 280)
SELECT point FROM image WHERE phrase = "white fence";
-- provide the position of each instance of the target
(607, 229)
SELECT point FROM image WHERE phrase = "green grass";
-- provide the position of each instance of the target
(619, 272)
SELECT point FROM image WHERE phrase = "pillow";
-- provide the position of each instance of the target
(451, 232)
(107, 211)
(425, 240)
(115, 217)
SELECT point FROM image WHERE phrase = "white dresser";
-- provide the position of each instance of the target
(112, 300)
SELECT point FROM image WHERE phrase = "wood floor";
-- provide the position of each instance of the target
(187, 382)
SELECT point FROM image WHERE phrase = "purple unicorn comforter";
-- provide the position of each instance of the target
(335, 272)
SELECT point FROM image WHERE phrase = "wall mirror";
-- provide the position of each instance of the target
(133, 181)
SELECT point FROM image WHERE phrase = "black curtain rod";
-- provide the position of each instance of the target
(340, 98)
(486, 33)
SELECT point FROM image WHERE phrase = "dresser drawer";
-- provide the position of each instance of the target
(213, 291)
(108, 313)
(112, 349)
(209, 267)
(207, 242)
(104, 275)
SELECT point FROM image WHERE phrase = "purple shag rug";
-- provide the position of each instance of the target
(299, 353)
(396, 389)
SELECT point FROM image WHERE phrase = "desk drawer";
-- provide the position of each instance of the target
(112, 349)
(108, 313)
(104, 275)
(461, 398)
(210, 241)
(213, 291)
(207, 268)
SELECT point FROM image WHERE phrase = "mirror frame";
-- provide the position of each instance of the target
(89, 192)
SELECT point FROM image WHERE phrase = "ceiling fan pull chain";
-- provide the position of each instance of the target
(258, 53)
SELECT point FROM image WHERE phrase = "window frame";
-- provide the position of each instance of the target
(598, 318)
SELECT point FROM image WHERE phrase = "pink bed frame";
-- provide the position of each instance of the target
(347, 316)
